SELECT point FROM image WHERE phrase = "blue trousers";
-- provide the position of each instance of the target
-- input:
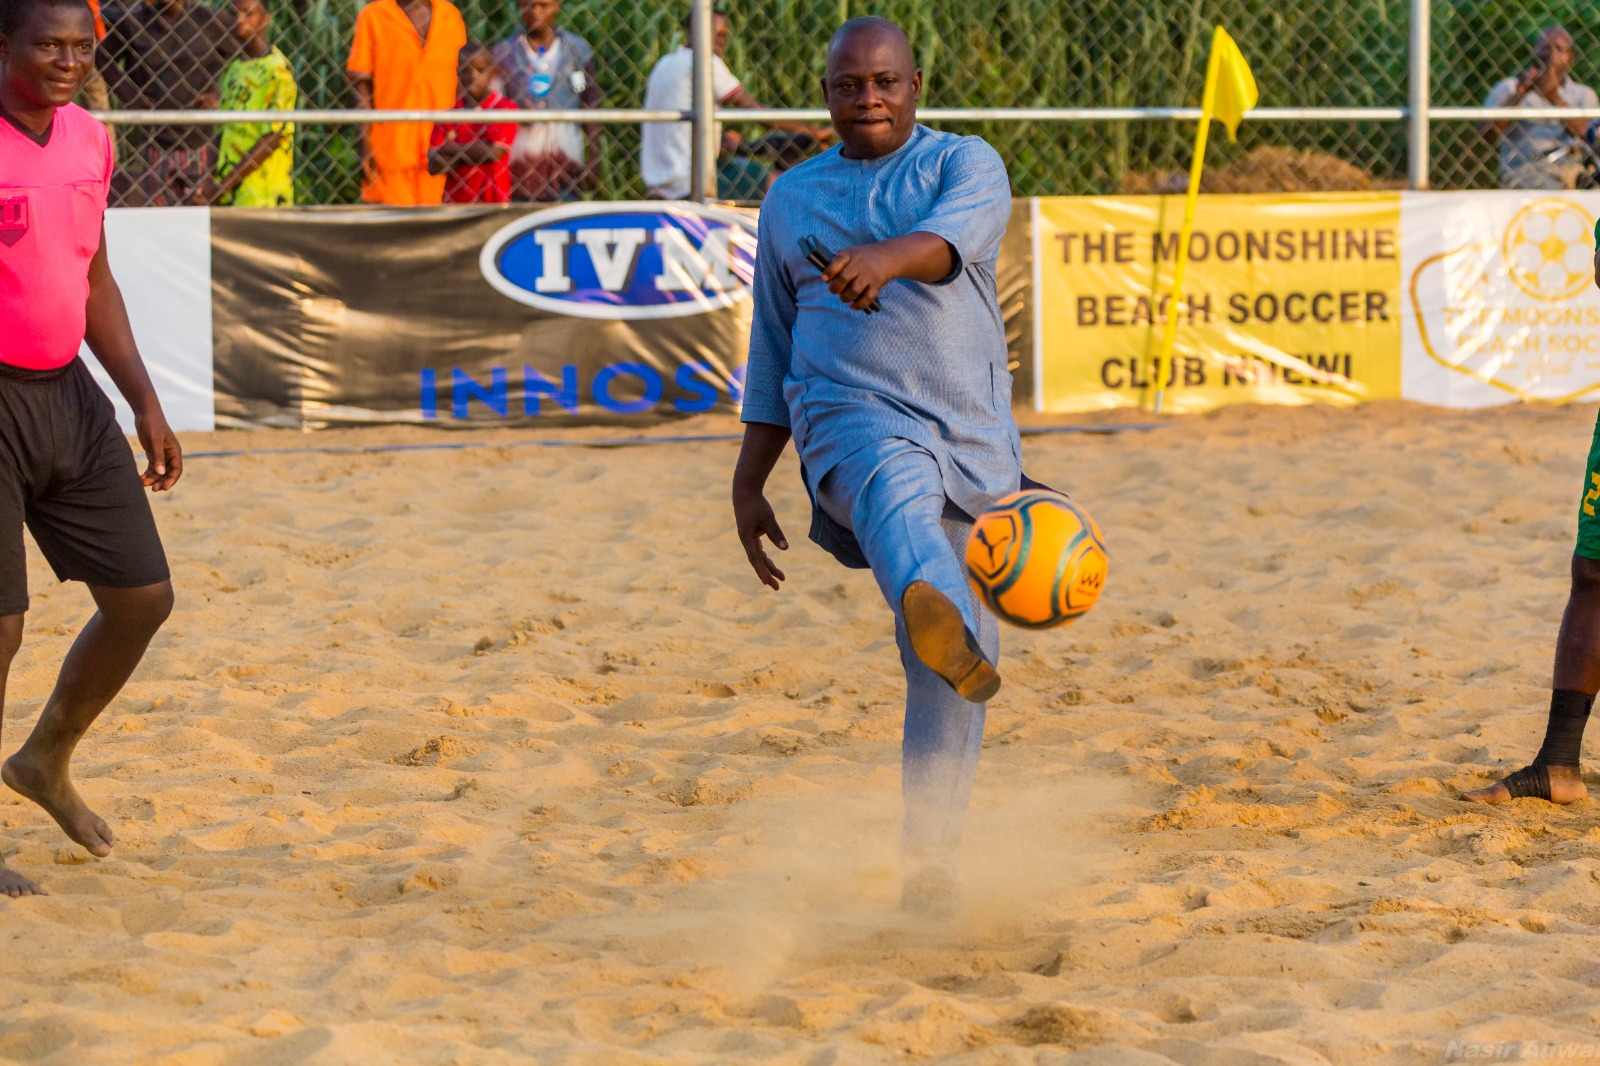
(890, 495)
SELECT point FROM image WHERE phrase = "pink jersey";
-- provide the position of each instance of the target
(52, 203)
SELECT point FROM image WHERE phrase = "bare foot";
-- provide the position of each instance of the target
(1566, 786)
(53, 791)
(14, 884)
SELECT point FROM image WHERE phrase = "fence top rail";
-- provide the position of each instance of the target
(623, 116)
(1083, 114)
(627, 116)
(1513, 114)
(354, 116)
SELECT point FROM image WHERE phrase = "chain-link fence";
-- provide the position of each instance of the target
(1477, 43)
(1349, 54)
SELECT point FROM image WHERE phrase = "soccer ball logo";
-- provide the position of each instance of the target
(1547, 250)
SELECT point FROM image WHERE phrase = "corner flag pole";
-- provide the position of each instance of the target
(1240, 95)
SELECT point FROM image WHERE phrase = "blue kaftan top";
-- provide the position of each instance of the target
(931, 366)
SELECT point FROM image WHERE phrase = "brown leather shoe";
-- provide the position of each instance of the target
(945, 645)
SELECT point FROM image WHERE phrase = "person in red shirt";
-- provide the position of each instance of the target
(66, 470)
(472, 155)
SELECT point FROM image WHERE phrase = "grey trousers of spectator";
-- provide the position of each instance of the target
(1560, 175)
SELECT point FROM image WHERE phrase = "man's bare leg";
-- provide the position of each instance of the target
(99, 664)
(12, 883)
(1577, 671)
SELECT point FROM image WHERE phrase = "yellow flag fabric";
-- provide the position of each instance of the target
(1236, 86)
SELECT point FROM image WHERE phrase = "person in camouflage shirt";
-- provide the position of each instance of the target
(254, 159)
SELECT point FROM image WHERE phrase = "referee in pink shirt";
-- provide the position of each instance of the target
(65, 468)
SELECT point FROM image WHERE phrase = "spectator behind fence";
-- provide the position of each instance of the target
(403, 58)
(665, 156)
(94, 96)
(1540, 154)
(549, 68)
(165, 55)
(255, 160)
(472, 156)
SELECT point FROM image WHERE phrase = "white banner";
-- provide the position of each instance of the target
(1499, 298)
(161, 258)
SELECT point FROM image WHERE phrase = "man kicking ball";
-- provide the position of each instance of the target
(902, 417)
(65, 468)
(1554, 773)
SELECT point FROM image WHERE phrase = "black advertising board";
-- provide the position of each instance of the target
(578, 314)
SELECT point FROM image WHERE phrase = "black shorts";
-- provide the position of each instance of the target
(67, 471)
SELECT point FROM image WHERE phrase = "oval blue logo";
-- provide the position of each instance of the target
(643, 259)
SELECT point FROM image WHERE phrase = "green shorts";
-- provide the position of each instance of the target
(1588, 521)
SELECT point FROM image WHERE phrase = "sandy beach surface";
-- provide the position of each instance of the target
(500, 755)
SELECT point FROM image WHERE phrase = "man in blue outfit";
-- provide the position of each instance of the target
(902, 417)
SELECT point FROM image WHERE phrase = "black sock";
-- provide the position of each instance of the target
(1563, 736)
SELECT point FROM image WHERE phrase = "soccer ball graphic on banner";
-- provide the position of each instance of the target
(1547, 250)
(1036, 559)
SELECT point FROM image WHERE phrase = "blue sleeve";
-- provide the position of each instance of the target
(974, 204)
(771, 327)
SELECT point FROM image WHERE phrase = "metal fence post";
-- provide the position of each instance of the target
(703, 172)
(1418, 100)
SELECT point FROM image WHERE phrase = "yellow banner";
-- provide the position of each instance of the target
(1289, 299)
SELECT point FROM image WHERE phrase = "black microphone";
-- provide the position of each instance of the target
(820, 257)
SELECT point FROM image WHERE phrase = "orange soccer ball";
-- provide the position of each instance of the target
(1036, 559)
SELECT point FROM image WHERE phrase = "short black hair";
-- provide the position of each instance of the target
(472, 50)
(14, 12)
(688, 17)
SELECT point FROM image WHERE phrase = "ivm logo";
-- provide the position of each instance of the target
(645, 259)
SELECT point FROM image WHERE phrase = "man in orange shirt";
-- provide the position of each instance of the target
(403, 57)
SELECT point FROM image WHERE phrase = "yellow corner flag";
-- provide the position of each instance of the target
(1235, 86)
(1230, 91)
